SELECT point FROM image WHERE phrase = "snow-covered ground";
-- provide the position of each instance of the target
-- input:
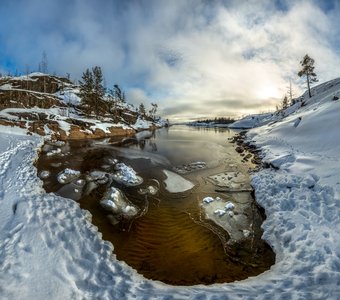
(49, 249)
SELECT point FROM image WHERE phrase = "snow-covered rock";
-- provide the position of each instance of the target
(67, 175)
(116, 202)
(126, 175)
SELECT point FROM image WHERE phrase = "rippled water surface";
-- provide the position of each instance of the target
(171, 239)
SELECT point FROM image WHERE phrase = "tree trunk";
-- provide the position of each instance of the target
(310, 95)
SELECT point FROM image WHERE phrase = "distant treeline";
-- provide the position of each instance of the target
(221, 120)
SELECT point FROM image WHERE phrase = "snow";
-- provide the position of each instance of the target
(149, 190)
(67, 176)
(176, 183)
(6, 86)
(252, 121)
(44, 174)
(54, 152)
(126, 175)
(50, 249)
(229, 206)
(142, 124)
(208, 199)
(116, 202)
(69, 96)
(64, 126)
(105, 126)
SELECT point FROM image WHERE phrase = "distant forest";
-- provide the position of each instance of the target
(221, 120)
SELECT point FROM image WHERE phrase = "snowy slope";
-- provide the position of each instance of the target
(252, 121)
(301, 193)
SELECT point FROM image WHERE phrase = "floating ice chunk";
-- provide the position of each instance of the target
(56, 165)
(44, 174)
(57, 143)
(176, 183)
(113, 161)
(186, 168)
(150, 190)
(54, 152)
(219, 212)
(246, 233)
(80, 182)
(126, 175)
(115, 202)
(130, 210)
(208, 199)
(229, 206)
(67, 176)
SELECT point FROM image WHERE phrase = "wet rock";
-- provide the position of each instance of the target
(239, 149)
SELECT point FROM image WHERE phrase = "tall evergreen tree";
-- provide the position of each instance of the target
(307, 70)
(99, 91)
(92, 91)
(86, 91)
(285, 102)
(142, 109)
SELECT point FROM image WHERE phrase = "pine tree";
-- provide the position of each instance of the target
(98, 90)
(307, 70)
(142, 109)
(285, 103)
(86, 91)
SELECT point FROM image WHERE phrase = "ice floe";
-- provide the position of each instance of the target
(176, 183)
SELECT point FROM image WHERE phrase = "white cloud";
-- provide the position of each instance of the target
(194, 58)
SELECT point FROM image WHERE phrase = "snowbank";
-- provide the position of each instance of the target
(252, 121)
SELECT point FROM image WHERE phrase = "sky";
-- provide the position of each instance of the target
(194, 58)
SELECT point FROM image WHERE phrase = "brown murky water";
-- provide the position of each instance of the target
(171, 240)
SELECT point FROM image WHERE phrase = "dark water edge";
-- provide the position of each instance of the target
(171, 240)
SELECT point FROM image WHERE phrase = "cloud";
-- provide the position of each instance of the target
(194, 58)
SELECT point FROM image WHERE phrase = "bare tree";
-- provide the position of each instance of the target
(44, 63)
(290, 92)
(27, 69)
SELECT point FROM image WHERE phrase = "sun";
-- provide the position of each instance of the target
(267, 91)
